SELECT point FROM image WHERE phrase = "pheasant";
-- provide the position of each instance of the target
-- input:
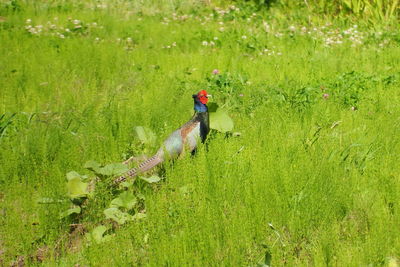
(186, 136)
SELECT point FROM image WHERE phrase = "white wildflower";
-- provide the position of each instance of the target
(267, 28)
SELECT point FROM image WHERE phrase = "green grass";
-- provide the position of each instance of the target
(322, 170)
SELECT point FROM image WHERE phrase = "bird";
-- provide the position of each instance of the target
(186, 137)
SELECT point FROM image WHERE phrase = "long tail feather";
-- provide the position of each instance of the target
(144, 166)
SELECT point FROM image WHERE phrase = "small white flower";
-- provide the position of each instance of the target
(97, 39)
(61, 36)
(129, 39)
(67, 30)
(28, 21)
(174, 44)
(94, 24)
(292, 28)
(215, 38)
(244, 37)
(212, 43)
(279, 54)
(76, 21)
(221, 29)
(204, 43)
(221, 23)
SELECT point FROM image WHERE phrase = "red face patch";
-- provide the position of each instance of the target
(202, 96)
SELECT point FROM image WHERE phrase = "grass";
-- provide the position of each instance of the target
(313, 178)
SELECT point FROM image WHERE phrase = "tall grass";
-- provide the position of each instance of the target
(312, 179)
(376, 11)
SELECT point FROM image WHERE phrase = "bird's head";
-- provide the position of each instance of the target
(200, 101)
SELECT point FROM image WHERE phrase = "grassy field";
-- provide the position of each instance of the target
(312, 179)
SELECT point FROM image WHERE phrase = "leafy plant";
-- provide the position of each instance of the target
(97, 235)
(229, 89)
(117, 215)
(68, 212)
(150, 180)
(75, 185)
(112, 169)
(219, 119)
(125, 200)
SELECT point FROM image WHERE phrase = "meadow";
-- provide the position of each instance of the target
(309, 176)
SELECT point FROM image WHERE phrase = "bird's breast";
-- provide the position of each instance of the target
(191, 135)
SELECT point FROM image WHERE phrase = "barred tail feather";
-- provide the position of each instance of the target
(144, 166)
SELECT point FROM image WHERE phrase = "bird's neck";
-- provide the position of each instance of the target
(200, 107)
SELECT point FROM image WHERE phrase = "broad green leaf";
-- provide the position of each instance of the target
(117, 215)
(220, 121)
(72, 175)
(113, 169)
(92, 165)
(70, 211)
(152, 179)
(97, 235)
(126, 184)
(77, 188)
(145, 135)
(125, 200)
